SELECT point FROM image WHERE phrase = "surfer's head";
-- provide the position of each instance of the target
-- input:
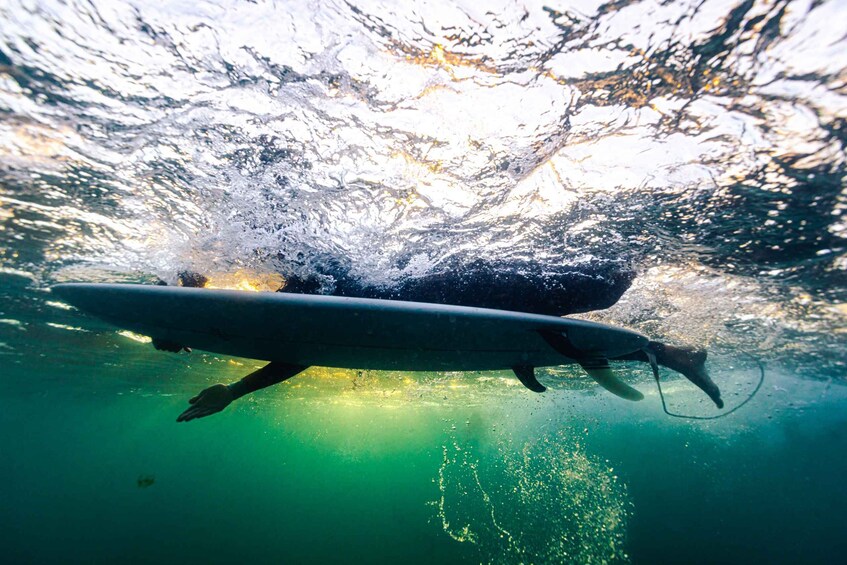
(191, 279)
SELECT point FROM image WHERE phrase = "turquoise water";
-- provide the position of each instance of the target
(701, 144)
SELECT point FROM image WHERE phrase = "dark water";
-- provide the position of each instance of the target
(701, 144)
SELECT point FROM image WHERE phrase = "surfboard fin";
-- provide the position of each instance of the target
(526, 375)
(599, 370)
(597, 366)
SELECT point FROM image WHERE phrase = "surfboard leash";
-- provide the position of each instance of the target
(651, 357)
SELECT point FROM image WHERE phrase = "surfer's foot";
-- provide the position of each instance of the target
(691, 363)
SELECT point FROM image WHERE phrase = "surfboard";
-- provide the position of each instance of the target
(358, 333)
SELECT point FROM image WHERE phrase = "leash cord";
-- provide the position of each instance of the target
(651, 357)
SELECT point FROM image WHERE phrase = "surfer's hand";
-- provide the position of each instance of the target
(213, 399)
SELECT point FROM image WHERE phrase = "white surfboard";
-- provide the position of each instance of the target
(358, 333)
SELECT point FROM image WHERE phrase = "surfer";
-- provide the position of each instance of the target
(516, 286)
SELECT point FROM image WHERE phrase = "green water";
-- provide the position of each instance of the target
(340, 466)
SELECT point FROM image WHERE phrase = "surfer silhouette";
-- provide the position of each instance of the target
(516, 286)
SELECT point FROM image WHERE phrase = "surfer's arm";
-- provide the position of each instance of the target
(269, 375)
(217, 397)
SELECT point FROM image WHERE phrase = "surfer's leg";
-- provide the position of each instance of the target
(217, 397)
(688, 361)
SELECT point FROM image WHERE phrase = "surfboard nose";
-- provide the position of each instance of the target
(88, 297)
(65, 291)
(71, 292)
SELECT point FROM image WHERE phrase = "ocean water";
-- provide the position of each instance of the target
(699, 143)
